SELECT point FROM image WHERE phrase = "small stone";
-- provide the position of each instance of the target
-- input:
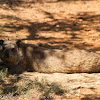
(57, 26)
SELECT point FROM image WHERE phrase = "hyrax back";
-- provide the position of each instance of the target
(25, 57)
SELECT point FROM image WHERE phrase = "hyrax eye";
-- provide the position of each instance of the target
(0, 47)
(4, 48)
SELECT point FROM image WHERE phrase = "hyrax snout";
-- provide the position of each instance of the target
(19, 57)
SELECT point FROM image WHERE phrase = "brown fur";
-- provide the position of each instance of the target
(27, 57)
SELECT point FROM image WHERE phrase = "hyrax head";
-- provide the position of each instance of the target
(9, 51)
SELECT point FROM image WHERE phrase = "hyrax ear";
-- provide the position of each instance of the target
(1, 42)
(18, 43)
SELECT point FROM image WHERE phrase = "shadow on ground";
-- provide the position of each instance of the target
(73, 27)
(13, 3)
(89, 97)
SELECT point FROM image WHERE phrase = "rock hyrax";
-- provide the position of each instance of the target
(20, 57)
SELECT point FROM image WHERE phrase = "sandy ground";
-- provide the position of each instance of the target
(62, 24)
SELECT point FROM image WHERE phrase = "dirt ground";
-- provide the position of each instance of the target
(62, 24)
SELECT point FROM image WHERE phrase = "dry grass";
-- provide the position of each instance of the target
(14, 86)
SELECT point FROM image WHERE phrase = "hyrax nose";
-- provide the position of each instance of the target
(13, 49)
